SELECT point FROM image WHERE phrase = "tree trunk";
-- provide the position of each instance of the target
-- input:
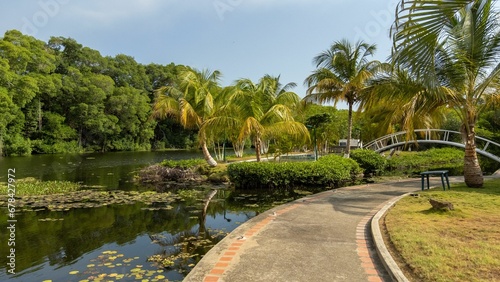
(39, 115)
(473, 175)
(257, 148)
(349, 131)
(203, 215)
(264, 146)
(206, 153)
(239, 147)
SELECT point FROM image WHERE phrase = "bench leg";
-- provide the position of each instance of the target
(428, 184)
(447, 180)
(442, 181)
(423, 176)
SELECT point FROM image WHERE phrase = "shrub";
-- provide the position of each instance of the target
(370, 161)
(16, 145)
(339, 163)
(450, 159)
(329, 171)
(183, 164)
(60, 147)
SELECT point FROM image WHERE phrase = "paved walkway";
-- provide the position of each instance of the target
(324, 237)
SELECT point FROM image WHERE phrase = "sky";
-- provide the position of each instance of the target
(240, 38)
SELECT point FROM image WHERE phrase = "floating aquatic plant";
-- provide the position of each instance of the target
(92, 199)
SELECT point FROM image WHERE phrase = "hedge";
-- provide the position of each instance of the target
(450, 159)
(328, 171)
(371, 161)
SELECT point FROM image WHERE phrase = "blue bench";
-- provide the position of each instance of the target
(442, 173)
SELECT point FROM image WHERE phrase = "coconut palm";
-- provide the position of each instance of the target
(261, 111)
(191, 102)
(342, 74)
(391, 104)
(453, 48)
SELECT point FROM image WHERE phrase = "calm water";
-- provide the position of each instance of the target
(111, 170)
(114, 240)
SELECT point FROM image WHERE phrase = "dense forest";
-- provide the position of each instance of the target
(61, 97)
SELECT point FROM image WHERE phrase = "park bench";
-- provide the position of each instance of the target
(442, 173)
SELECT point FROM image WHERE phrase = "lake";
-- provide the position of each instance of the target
(118, 242)
(109, 170)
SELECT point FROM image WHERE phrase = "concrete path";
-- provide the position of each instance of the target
(323, 237)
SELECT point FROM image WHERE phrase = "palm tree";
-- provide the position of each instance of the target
(261, 111)
(342, 74)
(453, 48)
(391, 104)
(191, 102)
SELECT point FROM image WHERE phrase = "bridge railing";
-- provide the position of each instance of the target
(448, 137)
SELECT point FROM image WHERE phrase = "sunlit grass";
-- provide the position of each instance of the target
(458, 245)
(31, 187)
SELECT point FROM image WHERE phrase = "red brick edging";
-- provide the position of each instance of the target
(365, 247)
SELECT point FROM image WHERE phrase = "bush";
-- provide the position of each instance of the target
(16, 145)
(61, 147)
(339, 163)
(184, 164)
(370, 161)
(450, 159)
(329, 171)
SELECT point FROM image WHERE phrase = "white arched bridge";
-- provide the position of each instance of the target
(436, 136)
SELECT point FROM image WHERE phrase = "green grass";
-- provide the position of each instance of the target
(458, 245)
(31, 187)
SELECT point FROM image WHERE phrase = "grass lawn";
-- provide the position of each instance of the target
(458, 245)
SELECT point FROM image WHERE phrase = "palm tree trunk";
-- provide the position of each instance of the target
(206, 153)
(473, 175)
(257, 148)
(349, 131)
(239, 147)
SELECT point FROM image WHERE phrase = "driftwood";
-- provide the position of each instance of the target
(441, 205)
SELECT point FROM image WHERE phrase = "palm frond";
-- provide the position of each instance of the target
(294, 129)
(250, 126)
(188, 117)
(416, 30)
(226, 126)
(164, 107)
(277, 113)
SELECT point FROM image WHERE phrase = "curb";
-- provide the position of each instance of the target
(390, 265)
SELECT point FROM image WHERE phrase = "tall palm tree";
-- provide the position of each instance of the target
(342, 74)
(259, 110)
(453, 47)
(191, 102)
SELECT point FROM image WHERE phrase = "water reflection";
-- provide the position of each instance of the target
(116, 239)
(107, 170)
(48, 249)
